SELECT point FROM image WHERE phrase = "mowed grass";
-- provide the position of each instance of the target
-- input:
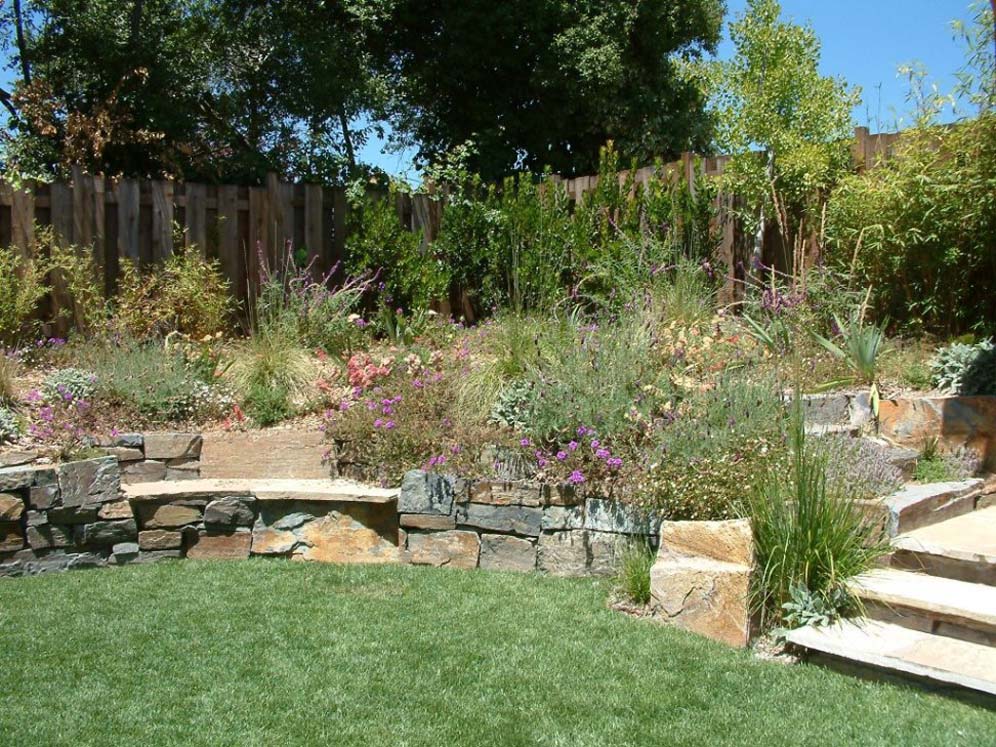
(282, 653)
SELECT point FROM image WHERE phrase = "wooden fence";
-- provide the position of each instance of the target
(141, 220)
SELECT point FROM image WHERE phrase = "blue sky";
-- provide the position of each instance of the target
(864, 41)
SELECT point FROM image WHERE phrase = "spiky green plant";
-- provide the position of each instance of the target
(633, 579)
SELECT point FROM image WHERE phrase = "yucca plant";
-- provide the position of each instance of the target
(863, 343)
(808, 533)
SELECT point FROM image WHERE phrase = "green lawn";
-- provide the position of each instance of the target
(282, 653)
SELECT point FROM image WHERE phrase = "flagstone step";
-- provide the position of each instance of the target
(881, 648)
(962, 548)
(930, 604)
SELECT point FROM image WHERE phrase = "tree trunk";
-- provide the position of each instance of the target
(22, 44)
(348, 140)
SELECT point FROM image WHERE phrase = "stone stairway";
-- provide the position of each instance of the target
(931, 613)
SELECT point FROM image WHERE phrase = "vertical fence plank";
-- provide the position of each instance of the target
(162, 219)
(259, 220)
(99, 224)
(127, 193)
(228, 232)
(22, 218)
(82, 207)
(313, 225)
(195, 217)
(339, 217)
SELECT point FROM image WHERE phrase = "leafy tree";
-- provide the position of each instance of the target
(537, 83)
(770, 97)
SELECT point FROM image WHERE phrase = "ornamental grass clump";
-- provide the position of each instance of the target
(808, 534)
(633, 579)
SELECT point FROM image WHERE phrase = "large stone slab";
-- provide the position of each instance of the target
(520, 493)
(454, 549)
(701, 579)
(606, 515)
(165, 446)
(957, 422)
(427, 521)
(500, 552)
(150, 470)
(160, 539)
(514, 519)
(268, 454)
(101, 533)
(563, 553)
(343, 538)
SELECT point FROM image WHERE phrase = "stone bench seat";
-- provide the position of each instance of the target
(333, 491)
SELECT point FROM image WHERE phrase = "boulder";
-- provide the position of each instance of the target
(454, 548)
(702, 577)
(501, 552)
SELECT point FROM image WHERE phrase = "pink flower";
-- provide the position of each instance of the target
(378, 423)
(594, 443)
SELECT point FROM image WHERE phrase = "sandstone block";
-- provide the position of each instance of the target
(160, 539)
(454, 548)
(168, 515)
(162, 446)
(725, 541)
(501, 552)
(11, 507)
(343, 538)
(233, 546)
(427, 521)
(115, 510)
(562, 553)
(268, 541)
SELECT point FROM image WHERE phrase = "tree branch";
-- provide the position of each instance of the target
(22, 44)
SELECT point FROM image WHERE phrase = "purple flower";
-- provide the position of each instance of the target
(389, 425)
(603, 453)
(417, 383)
(378, 423)
(583, 431)
(561, 455)
(542, 462)
(573, 446)
(614, 463)
(524, 442)
(576, 477)
(594, 443)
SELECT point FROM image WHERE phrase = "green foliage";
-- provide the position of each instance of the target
(318, 311)
(69, 382)
(562, 78)
(806, 608)
(10, 426)
(770, 95)
(273, 374)
(863, 343)
(22, 286)
(155, 382)
(808, 533)
(378, 246)
(966, 369)
(920, 228)
(633, 579)
(186, 294)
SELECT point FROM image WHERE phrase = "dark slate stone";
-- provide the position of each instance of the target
(89, 481)
(230, 512)
(17, 458)
(426, 493)
(125, 552)
(129, 441)
(514, 519)
(49, 535)
(563, 517)
(605, 515)
(826, 409)
(16, 478)
(153, 556)
(109, 532)
(292, 520)
(42, 497)
(73, 515)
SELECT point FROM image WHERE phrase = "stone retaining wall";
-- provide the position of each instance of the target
(517, 526)
(151, 457)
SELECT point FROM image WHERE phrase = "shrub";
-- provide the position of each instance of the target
(934, 466)
(186, 294)
(10, 427)
(855, 467)
(321, 313)
(66, 422)
(76, 284)
(22, 286)
(272, 373)
(9, 370)
(157, 383)
(920, 228)
(808, 533)
(633, 579)
(68, 384)
(965, 369)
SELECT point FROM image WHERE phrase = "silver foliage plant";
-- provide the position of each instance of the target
(858, 467)
(965, 369)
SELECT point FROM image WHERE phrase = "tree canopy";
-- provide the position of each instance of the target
(230, 89)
